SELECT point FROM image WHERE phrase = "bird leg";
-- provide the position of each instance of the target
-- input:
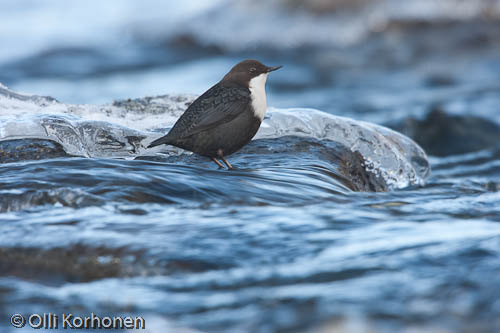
(220, 152)
(217, 162)
(229, 166)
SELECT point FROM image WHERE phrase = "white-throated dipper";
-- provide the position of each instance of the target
(226, 117)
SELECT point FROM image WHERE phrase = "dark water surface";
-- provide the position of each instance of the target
(282, 243)
(277, 247)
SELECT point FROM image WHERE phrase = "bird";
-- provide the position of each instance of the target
(224, 118)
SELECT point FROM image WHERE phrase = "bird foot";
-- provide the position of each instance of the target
(217, 162)
(229, 166)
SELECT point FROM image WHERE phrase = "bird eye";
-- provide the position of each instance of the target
(253, 70)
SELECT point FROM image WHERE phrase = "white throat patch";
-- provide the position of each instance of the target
(257, 88)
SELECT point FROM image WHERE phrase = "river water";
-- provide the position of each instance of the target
(283, 242)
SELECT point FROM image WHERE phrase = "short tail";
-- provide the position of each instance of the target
(160, 141)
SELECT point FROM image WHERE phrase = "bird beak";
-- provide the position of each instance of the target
(270, 69)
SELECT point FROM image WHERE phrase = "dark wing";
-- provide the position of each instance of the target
(216, 106)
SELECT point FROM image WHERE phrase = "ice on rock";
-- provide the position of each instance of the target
(114, 130)
(124, 128)
(395, 157)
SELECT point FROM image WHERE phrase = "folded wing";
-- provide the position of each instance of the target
(216, 106)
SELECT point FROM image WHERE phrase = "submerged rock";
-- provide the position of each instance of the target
(371, 157)
(74, 264)
(350, 167)
(293, 152)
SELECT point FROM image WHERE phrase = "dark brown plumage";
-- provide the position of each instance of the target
(226, 117)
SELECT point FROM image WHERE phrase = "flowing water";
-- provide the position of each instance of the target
(296, 238)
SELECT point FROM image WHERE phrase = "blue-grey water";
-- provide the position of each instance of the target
(281, 243)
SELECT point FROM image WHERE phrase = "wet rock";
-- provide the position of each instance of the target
(125, 128)
(346, 166)
(443, 134)
(30, 149)
(333, 158)
(83, 263)
(156, 104)
(326, 6)
(41, 101)
(436, 80)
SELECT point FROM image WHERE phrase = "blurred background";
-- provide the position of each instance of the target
(378, 60)
(425, 259)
